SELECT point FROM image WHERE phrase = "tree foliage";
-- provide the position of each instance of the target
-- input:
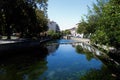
(103, 22)
(82, 27)
(53, 34)
(22, 16)
(66, 32)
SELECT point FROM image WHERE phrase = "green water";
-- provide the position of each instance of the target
(57, 60)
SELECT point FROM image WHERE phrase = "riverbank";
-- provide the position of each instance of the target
(84, 40)
(13, 45)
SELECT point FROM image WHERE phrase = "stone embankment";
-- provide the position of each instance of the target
(87, 41)
(8, 45)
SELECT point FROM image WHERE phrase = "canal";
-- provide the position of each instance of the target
(58, 60)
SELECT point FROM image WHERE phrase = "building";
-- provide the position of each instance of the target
(53, 26)
(74, 32)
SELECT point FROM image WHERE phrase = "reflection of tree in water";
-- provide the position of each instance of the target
(109, 72)
(27, 65)
(81, 50)
(103, 74)
(52, 47)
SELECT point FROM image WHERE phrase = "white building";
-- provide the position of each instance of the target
(53, 26)
(74, 32)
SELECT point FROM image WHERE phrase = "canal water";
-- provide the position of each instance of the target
(56, 60)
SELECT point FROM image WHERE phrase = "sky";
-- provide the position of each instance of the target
(67, 13)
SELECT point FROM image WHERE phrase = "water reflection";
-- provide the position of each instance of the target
(88, 54)
(67, 64)
(52, 47)
(24, 65)
(95, 52)
(103, 74)
(110, 70)
(88, 48)
(57, 60)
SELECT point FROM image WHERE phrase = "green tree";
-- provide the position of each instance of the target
(82, 27)
(53, 34)
(20, 16)
(42, 20)
(108, 31)
(66, 32)
(103, 23)
(90, 25)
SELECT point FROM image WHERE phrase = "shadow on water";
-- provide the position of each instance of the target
(27, 64)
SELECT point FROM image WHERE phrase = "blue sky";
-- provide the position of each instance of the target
(67, 13)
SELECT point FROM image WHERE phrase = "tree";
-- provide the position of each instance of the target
(91, 24)
(82, 27)
(103, 23)
(53, 34)
(66, 32)
(108, 31)
(20, 16)
(42, 21)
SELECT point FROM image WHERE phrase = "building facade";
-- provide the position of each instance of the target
(53, 26)
(74, 32)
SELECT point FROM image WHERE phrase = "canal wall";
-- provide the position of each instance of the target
(19, 45)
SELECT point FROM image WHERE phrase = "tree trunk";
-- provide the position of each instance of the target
(8, 32)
